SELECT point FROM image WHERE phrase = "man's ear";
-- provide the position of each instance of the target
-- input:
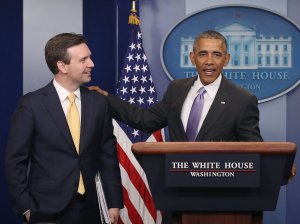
(227, 59)
(192, 57)
(62, 67)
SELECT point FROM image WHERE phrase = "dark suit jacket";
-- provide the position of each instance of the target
(39, 135)
(233, 116)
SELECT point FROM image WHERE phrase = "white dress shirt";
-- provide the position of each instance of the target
(63, 94)
(209, 96)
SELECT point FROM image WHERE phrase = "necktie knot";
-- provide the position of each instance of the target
(201, 91)
(71, 97)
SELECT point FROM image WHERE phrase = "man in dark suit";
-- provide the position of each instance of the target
(229, 112)
(50, 165)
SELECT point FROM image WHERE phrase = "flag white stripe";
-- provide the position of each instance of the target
(126, 144)
(159, 217)
(124, 216)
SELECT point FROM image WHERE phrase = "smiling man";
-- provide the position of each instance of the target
(209, 105)
(60, 137)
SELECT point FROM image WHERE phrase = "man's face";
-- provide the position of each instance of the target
(209, 57)
(81, 64)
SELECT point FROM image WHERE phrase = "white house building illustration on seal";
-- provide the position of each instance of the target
(248, 49)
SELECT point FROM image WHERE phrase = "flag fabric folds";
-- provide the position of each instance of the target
(135, 86)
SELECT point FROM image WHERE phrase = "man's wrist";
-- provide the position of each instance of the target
(26, 214)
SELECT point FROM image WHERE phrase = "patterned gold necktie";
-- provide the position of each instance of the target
(74, 126)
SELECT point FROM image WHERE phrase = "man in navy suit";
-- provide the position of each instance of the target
(230, 113)
(44, 167)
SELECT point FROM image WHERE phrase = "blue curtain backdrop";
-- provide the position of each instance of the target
(99, 28)
(11, 84)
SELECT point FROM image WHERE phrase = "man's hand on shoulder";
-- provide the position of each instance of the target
(99, 90)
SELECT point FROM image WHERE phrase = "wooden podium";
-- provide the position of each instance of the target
(221, 205)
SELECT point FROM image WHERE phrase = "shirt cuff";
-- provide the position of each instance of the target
(26, 211)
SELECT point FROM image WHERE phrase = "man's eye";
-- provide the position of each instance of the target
(217, 55)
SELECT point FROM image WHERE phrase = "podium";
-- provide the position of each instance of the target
(214, 205)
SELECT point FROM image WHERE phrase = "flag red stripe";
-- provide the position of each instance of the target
(137, 181)
(132, 212)
(158, 136)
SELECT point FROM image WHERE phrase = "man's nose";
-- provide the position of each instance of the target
(91, 64)
(209, 59)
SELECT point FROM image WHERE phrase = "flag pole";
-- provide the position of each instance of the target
(133, 7)
(133, 18)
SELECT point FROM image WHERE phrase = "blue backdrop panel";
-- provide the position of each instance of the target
(11, 85)
(99, 28)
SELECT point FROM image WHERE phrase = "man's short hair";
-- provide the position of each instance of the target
(210, 34)
(56, 49)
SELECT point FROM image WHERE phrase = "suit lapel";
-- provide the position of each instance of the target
(220, 103)
(54, 108)
(186, 86)
(86, 117)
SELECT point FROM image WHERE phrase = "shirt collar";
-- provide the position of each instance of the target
(63, 93)
(212, 88)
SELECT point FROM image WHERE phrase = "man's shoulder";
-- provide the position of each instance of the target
(235, 89)
(93, 95)
(32, 95)
(182, 82)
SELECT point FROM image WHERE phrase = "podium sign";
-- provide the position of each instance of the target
(275, 162)
(212, 170)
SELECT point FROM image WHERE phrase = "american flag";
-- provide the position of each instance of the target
(136, 87)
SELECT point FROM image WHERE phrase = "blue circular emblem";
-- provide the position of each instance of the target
(263, 45)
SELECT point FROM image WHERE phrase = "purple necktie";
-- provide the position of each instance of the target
(195, 115)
